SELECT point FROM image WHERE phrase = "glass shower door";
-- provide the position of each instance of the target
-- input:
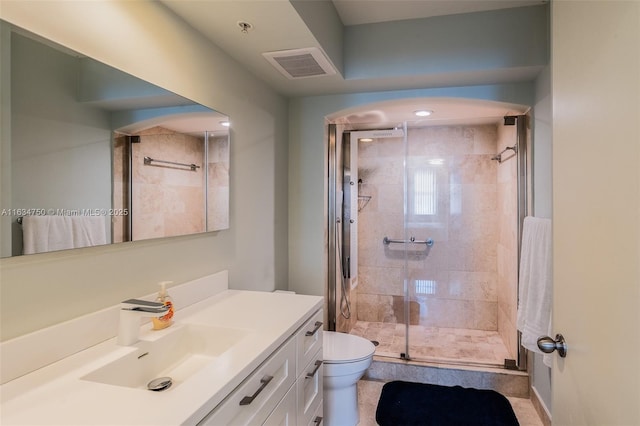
(462, 286)
(381, 266)
(426, 204)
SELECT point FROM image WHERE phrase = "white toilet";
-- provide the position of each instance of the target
(346, 358)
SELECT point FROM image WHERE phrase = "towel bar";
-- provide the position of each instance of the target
(149, 160)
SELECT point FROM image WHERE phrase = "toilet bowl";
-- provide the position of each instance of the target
(346, 358)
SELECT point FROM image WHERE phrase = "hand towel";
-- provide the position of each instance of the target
(535, 289)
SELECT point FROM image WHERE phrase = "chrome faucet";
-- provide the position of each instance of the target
(131, 311)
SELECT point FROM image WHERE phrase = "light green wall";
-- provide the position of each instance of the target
(144, 39)
(460, 44)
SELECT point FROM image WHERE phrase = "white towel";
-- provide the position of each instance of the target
(536, 291)
(50, 233)
(45, 233)
(88, 231)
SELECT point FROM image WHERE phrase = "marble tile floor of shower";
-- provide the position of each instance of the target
(435, 343)
(369, 394)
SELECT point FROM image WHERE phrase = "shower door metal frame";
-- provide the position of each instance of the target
(524, 192)
(332, 218)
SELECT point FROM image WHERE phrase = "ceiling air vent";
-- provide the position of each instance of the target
(300, 63)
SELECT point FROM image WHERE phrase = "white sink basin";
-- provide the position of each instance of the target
(179, 353)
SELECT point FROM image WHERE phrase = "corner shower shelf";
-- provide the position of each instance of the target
(363, 200)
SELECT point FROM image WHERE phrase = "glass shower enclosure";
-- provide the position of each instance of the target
(426, 233)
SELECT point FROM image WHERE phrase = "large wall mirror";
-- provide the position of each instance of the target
(96, 156)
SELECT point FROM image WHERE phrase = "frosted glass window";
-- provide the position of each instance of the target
(425, 192)
(425, 286)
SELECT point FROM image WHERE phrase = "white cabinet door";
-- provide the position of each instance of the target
(310, 388)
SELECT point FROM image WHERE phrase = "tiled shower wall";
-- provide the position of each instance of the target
(167, 200)
(455, 282)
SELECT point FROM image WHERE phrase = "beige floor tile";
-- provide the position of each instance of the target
(429, 343)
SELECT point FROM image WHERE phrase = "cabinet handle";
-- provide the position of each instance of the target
(315, 370)
(317, 421)
(317, 325)
(249, 399)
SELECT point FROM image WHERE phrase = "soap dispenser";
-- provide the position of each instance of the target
(163, 297)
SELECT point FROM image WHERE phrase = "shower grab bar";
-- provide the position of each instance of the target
(149, 160)
(428, 242)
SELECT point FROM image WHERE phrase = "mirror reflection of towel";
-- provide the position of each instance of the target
(51, 233)
(535, 289)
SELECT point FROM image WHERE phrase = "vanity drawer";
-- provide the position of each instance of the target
(317, 417)
(256, 397)
(286, 412)
(309, 386)
(309, 339)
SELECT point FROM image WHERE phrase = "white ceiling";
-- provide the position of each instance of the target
(278, 26)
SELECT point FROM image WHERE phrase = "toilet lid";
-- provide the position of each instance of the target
(342, 347)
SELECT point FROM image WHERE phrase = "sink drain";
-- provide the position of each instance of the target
(160, 384)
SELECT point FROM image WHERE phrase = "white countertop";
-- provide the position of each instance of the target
(57, 394)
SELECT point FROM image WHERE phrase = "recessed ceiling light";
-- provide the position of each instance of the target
(423, 113)
(365, 140)
(225, 123)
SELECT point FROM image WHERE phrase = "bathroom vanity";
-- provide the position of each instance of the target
(234, 358)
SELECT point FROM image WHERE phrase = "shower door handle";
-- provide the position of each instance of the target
(547, 345)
